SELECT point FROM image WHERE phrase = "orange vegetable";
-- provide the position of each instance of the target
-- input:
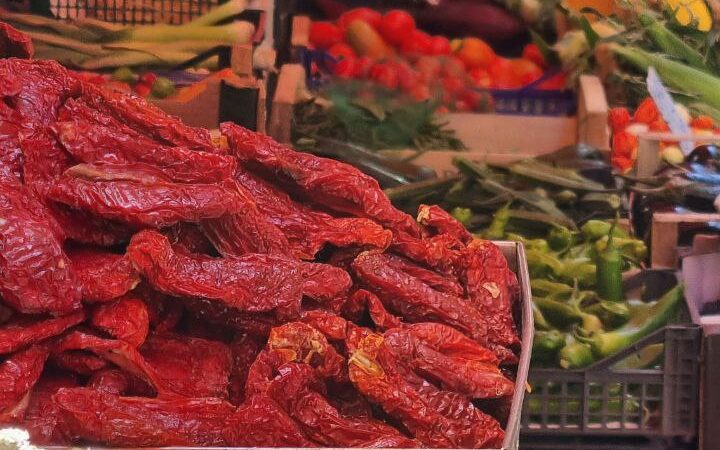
(502, 74)
(646, 112)
(618, 119)
(703, 123)
(526, 71)
(366, 41)
(475, 52)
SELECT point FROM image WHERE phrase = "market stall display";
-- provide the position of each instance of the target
(166, 289)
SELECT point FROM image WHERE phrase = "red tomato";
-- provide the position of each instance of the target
(341, 51)
(471, 98)
(440, 45)
(396, 26)
(475, 52)
(554, 83)
(503, 74)
(453, 85)
(428, 68)
(363, 65)
(147, 78)
(526, 71)
(646, 112)
(420, 92)
(142, 89)
(462, 106)
(453, 66)
(416, 44)
(481, 77)
(619, 119)
(385, 74)
(407, 77)
(324, 35)
(531, 52)
(345, 68)
(368, 15)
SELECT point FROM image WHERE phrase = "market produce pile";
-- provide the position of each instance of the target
(160, 288)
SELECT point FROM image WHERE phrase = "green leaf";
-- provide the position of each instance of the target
(590, 34)
(370, 106)
(565, 178)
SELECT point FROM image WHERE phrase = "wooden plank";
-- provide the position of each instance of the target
(663, 246)
(685, 217)
(300, 33)
(593, 113)
(290, 79)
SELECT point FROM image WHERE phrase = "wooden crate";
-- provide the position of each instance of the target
(493, 138)
(666, 226)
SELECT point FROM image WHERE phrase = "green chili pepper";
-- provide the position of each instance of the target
(609, 265)
(540, 245)
(496, 230)
(542, 264)
(560, 314)
(612, 314)
(646, 357)
(581, 269)
(546, 288)
(589, 322)
(546, 345)
(597, 229)
(462, 215)
(575, 355)
(566, 197)
(643, 321)
(539, 319)
(560, 238)
(633, 249)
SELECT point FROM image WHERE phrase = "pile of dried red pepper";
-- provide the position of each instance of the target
(160, 288)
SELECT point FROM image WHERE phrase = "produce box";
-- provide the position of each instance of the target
(612, 398)
(497, 138)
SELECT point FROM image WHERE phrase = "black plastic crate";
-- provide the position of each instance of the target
(602, 400)
(133, 12)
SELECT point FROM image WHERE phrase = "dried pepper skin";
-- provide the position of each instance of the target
(380, 316)
(84, 228)
(299, 342)
(155, 205)
(331, 325)
(18, 375)
(470, 377)
(36, 274)
(424, 410)
(80, 362)
(490, 286)
(42, 414)
(260, 422)
(44, 162)
(14, 44)
(10, 153)
(308, 230)
(126, 319)
(117, 352)
(189, 366)
(440, 221)
(248, 232)
(293, 391)
(440, 282)
(438, 252)
(250, 283)
(333, 184)
(94, 416)
(414, 300)
(149, 119)
(104, 276)
(244, 349)
(110, 381)
(324, 283)
(189, 237)
(92, 137)
(22, 333)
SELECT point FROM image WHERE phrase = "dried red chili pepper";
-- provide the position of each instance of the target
(18, 375)
(260, 422)
(299, 342)
(189, 366)
(126, 319)
(149, 119)
(84, 228)
(440, 222)
(36, 274)
(104, 276)
(331, 325)
(110, 381)
(94, 416)
(156, 205)
(244, 349)
(325, 283)
(43, 162)
(250, 283)
(309, 230)
(92, 137)
(438, 252)
(440, 282)
(490, 285)
(415, 301)
(248, 232)
(80, 362)
(189, 237)
(23, 332)
(118, 352)
(293, 391)
(328, 182)
(378, 314)
(14, 44)
(42, 414)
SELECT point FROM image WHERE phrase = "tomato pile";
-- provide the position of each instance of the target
(390, 50)
(626, 128)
